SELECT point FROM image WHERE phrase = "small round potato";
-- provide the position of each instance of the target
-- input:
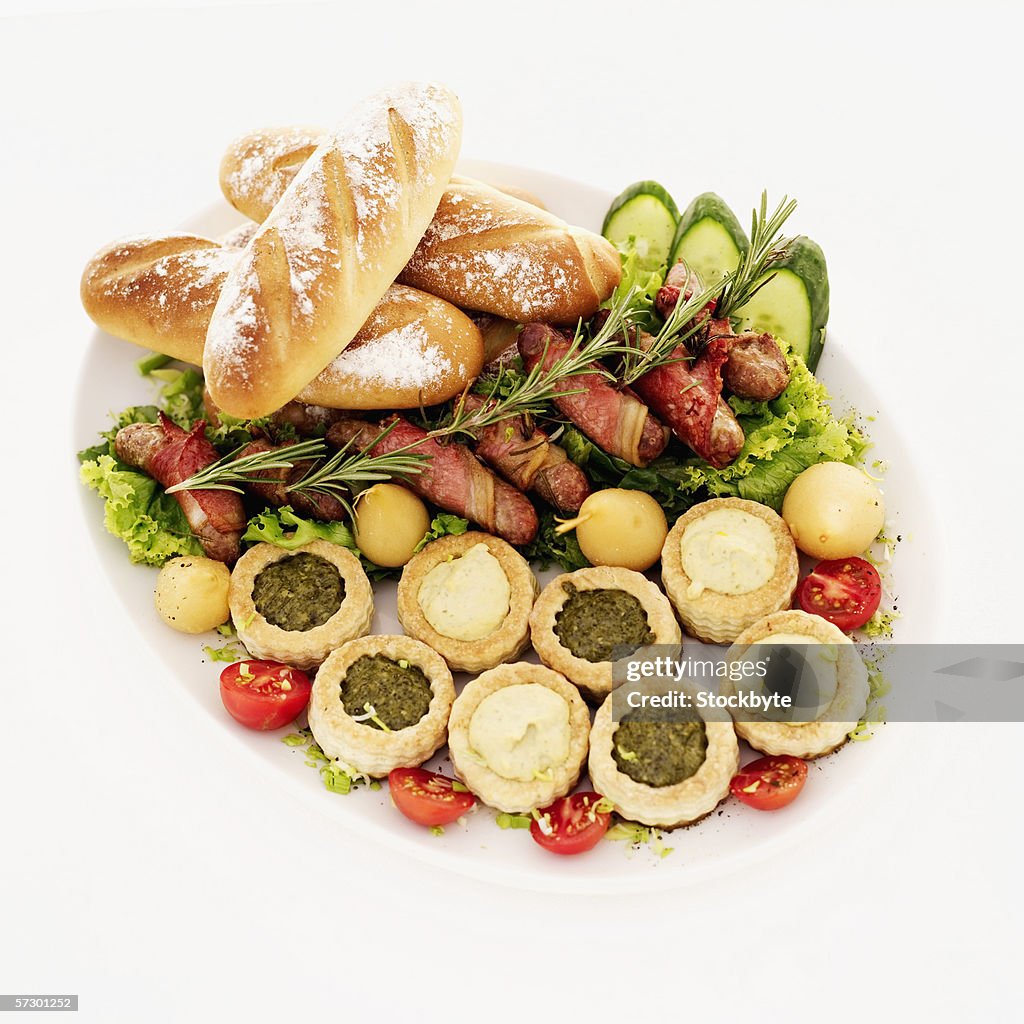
(192, 593)
(833, 510)
(620, 527)
(390, 522)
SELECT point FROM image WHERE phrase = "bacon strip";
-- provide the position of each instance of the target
(277, 489)
(688, 396)
(616, 420)
(170, 455)
(453, 479)
(525, 456)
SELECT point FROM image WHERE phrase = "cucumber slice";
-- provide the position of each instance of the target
(793, 305)
(709, 238)
(648, 214)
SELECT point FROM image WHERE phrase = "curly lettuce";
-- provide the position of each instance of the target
(136, 509)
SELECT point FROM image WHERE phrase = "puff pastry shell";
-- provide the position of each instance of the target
(510, 794)
(594, 678)
(834, 723)
(506, 642)
(301, 648)
(664, 806)
(720, 618)
(363, 746)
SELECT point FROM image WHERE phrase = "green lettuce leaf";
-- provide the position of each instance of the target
(645, 282)
(137, 510)
(443, 524)
(281, 526)
(548, 546)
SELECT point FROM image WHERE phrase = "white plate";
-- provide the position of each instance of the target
(732, 839)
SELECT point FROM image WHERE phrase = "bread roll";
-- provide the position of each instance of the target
(487, 251)
(160, 292)
(491, 249)
(332, 245)
(258, 167)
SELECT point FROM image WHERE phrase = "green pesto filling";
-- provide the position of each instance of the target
(659, 753)
(398, 693)
(299, 592)
(592, 623)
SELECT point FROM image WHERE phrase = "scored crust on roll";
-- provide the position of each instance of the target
(330, 248)
(487, 251)
(159, 292)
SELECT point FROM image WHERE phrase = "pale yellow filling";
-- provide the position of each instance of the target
(521, 731)
(728, 551)
(822, 661)
(468, 597)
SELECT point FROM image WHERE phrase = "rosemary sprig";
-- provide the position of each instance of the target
(227, 472)
(682, 324)
(346, 468)
(767, 246)
(531, 394)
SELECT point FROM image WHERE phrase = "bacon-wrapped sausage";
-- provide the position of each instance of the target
(688, 396)
(525, 456)
(170, 455)
(615, 420)
(305, 420)
(275, 486)
(755, 367)
(453, 479)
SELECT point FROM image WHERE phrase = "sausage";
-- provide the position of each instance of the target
(305, 420)
(688, 396)
(756, 367)
(275, 486)
(452, 479)
(614, 419)
(170, 455)
(525, 456)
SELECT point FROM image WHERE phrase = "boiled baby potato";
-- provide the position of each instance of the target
(620, 527)
(192, 593)
(833, 510)
(390, 522)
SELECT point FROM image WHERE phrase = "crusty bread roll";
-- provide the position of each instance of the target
(332, 245)
(488, 251)
(489, 248)
(258, 167)
(160, 293)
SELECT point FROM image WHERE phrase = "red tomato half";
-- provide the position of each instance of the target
(770, 782)
(264, 694)
(428, 799)
(571, 824)
(846, 591)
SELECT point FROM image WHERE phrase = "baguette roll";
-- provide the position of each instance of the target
(494, 249)
(487, 251)
(160, 293)
(335, 241)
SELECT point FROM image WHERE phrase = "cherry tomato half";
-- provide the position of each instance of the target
(264, 694)
(572, 824)
(770, 782)
(846, 591)
(427, 798)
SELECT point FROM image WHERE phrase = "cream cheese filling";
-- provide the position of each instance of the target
(468, 597)
(822, 661)
(728, 551)
(521, 731)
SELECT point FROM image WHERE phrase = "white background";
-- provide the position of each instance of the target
(140, 866)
